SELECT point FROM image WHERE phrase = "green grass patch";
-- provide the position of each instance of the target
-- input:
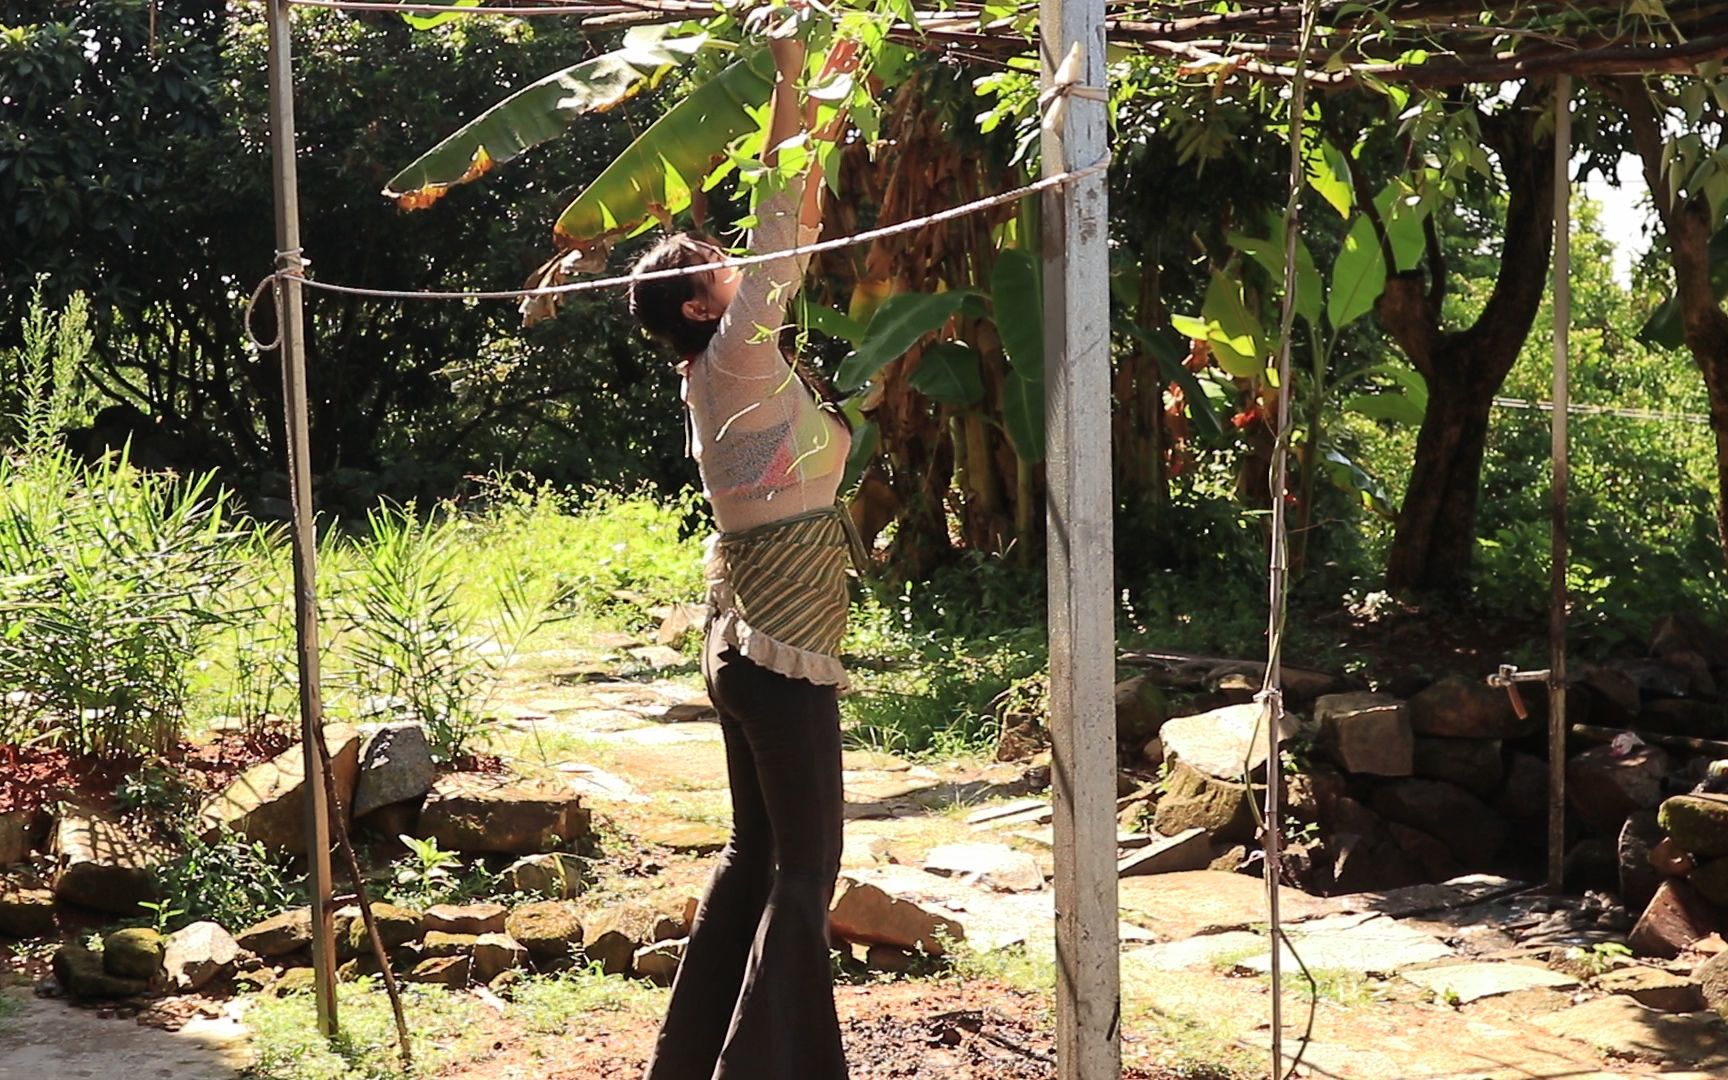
(10, 1007)
(446, 1029)
(547, 1004)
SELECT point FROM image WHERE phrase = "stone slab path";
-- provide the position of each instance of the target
(46, 1040)
(1437, 984)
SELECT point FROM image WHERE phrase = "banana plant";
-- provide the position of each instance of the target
(949, 372)
(540, 112)
(1326, 306)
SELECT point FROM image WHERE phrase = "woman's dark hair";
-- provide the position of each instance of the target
(659, 304)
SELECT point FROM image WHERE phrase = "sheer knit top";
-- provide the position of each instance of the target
(764, 447)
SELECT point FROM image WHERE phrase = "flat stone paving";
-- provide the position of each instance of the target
(47, 1040)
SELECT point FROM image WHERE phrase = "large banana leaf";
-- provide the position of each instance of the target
(538, 113)
(654, 174)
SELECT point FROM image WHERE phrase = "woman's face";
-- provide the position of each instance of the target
(718, 286)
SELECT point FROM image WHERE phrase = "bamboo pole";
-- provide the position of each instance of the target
(1557, 568)
(290, 318)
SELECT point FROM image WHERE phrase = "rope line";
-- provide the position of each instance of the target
(1603, 410)
(292, 264)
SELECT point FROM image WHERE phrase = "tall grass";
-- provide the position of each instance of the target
(410, 637)
(107, 585)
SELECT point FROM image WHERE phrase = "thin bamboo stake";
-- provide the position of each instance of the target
(321, 795)
(290, 325)
(1558, 414)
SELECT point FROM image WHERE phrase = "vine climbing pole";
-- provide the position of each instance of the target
(1081, 563)
(290, 323)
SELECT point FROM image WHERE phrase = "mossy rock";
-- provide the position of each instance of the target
(548, 929)
(555, 875)
(438, 943)
(300, 980)
(278, 935)
(449, 971)
(398, 926)
(1711, 880)
(1698, 823)
(134, 953)
(83, 974)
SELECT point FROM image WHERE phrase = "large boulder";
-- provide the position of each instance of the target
(103, 865)
(990, 866)
(1675, 919)
(1226, 743)
(81, 974)
(1682, 716)
(1458, 819)
(396, 766)
(1524, 793)
(199, 954)
(658, 961)
(548, 929)
(1638, 876)
(397, 926)
(1698, 823)
(865, 914)
(1684, 633)
(1436, 859)
(1194, 800)
(1614, 693)
(481, 812)
(1712, 979)
(1604, 785)
(440, 943)
(1659, 678)
(17, 836)
(134, 953)
(495, 954)
(1711, 881)
(1460, 708)
(267, 803)
(1366, 733)
(279, 935)
(611, 937)
(1476, 765)
(451, 972)
(1140, 711)
(26, 910)
(485, 918)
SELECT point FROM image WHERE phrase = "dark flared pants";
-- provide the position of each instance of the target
(754, 997)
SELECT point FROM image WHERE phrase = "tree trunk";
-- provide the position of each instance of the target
(1436, 530)
(1686, 224)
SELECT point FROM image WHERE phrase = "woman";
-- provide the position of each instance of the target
(754, 997)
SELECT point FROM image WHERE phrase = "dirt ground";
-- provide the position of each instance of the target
(893, 1031)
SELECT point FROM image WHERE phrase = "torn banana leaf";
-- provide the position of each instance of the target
(538, 113)
(654, 175)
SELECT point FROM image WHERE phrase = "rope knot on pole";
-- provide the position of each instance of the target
(291, 263)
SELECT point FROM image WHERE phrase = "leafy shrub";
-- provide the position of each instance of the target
(154, 789)
(228, 880)
(429, 875)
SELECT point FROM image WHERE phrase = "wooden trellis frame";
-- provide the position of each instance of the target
(1255, 43)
